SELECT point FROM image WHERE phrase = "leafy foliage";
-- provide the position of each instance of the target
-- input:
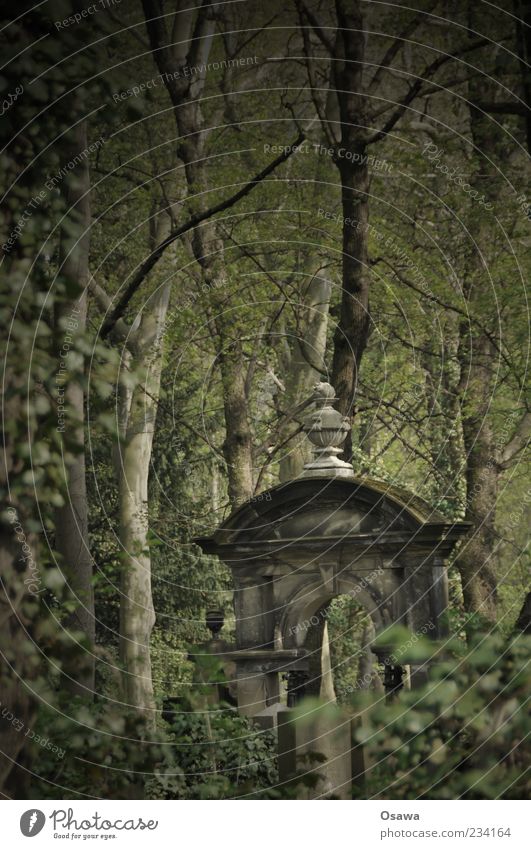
(464, 735)
(222, 754)
(446, 275)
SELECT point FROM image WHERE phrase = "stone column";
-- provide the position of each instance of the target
(439, 597)
(253, 609)
(252, 688)
(257, 686)
(419, 616)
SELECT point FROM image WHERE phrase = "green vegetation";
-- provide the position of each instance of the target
(342, 192)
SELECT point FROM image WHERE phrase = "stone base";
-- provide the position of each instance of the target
(314, 471)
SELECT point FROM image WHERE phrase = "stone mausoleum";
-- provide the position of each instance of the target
(327, 533)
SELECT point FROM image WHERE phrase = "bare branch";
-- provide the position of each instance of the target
(393, 50)
(303, 10)
(416, 87)
(470, 319)
(121, 332)
(192, 222)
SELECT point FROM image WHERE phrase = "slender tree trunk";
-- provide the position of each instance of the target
(478, 365)
(350, 337)
(444, 422)
(17, 663)
(208, 251)
(523, 623)
(137, 614)
(71, 520)
(191, 42)
(475, 561)
(522, 10)
(304, 369)
(238, 444)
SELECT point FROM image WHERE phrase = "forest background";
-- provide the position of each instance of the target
(205, 211)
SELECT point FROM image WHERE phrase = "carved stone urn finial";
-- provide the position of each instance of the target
(327, 430)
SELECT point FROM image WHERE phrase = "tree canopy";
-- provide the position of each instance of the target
(206, 211)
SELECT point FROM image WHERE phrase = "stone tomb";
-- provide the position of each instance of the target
(316, 538)
(302, 543)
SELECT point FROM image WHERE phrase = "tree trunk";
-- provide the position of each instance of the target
(475, 561)
(306, 362)
(18, 664)
(523, 43)
(238, 443)
(350, 337)
(444, 422)
(71, 520)
(169, 54)
(478, 366)
(523, 623)
(207, 247)
(137, 614)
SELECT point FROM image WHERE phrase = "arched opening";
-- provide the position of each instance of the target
(353, 664)
(337, 634)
